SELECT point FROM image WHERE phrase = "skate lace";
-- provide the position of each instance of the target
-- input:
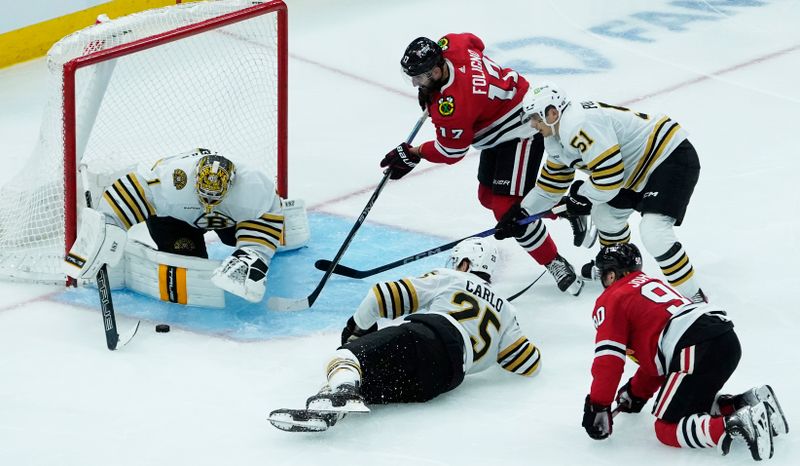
(559, 269)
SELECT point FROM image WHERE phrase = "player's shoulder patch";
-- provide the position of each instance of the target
(444, 42)
(446, 105)
(179, 179)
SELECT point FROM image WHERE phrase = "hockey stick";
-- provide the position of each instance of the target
(288, 304)
(346, 271)
(104, 291)
(520, 292)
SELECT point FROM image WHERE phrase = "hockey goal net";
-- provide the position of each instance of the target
(136, 89)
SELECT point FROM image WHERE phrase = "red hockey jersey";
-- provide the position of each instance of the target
(644, 319)
(479, 105)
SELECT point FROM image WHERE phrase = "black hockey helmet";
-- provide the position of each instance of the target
(620, 258)
(421, 55)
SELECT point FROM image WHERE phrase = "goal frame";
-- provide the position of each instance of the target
(71, 67)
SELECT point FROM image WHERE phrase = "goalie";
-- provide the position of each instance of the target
(180, 199)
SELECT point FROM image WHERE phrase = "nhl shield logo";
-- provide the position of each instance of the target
(179, 178)
(446, 106)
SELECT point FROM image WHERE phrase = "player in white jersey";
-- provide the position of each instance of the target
(453, 324)
(634, 161)
(181, 198)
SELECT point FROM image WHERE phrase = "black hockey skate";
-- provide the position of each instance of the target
(565, 276)
(752, 425)
(584, 233)
(344, 399)
(302, 420)
(766, 394)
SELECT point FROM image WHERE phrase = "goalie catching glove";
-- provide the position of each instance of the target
(243, 273)
(99, 242)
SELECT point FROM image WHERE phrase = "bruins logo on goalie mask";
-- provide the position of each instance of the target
(215, 176)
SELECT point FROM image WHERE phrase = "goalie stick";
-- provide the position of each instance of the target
(104, 291)
(278, 303)
(346, 271)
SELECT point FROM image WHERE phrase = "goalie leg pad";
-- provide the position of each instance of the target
(243, 273)
(296, 231)
(98, 243)
(171, 277)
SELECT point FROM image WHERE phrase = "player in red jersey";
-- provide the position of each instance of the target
(475, 102)
(686, 351)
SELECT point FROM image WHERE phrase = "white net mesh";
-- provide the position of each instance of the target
(216, 89)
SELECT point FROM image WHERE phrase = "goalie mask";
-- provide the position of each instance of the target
(215, 176)
(481, 253)
(538, 99)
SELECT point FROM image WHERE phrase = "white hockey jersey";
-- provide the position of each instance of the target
(168, 189)
(618, 148)
(486, 321)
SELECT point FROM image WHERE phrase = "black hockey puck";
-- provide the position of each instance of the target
(162, 328)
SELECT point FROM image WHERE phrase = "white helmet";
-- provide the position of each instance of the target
(481, 253)
(537, 99)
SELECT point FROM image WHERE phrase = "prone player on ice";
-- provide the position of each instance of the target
(180, 198)
(453, 323)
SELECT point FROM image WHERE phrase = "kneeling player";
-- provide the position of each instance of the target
(181, 198)
(455, 324)
(686, 350)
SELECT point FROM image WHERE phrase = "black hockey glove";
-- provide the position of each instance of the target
(424, 98)
(400, 161)
(576, 205)
(627, 402)
(351, 331)
(597, 420)
(508, 227)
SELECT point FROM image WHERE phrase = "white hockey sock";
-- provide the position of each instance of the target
(343, 368)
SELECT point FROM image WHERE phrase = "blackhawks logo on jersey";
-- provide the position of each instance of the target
(443, 43)
(447, 106)
(179, 178)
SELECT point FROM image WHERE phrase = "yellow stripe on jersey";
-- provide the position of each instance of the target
(117, 210)
(555, 178)
(412, 293)
(510, 349)
(609, 153)
(662, 144)
(647, 149)
(397, 299)
(521, 358)
(261, 227)
(533, 368)
(126, 197)
(379, 298)
(135, 181)
(272, 218)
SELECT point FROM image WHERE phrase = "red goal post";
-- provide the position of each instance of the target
(139, 88)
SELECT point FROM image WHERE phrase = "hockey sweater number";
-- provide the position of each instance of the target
(471, 309)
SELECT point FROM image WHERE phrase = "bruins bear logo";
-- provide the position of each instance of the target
(447, 106)
(179, 178)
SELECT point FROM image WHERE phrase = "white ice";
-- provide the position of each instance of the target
(728, 74)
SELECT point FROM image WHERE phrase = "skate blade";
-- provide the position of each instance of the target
(777, 418)
(575, 288)
(300, 420)
(763, 447)
(325, 406)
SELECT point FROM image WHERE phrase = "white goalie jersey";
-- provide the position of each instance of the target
(618, 148)
(167, 189)
(486, 321)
